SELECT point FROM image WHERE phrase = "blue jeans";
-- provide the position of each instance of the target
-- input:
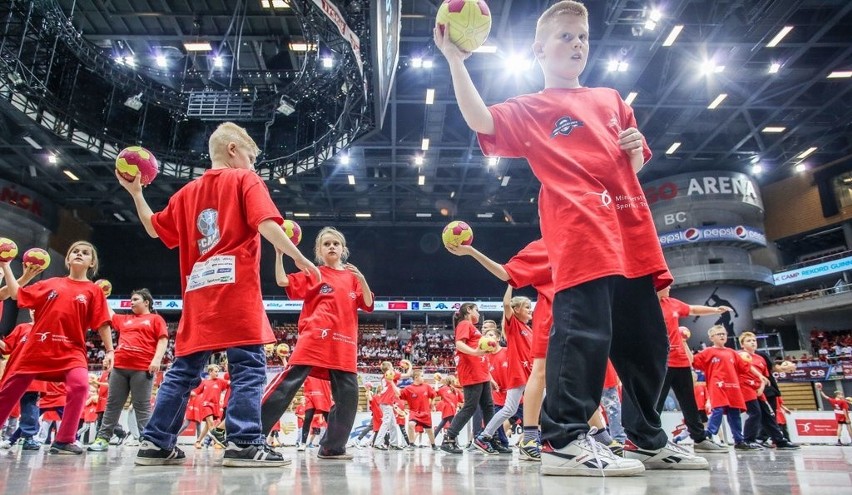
(28, 423)
(612, 405)
(734, 421)
(247, 367)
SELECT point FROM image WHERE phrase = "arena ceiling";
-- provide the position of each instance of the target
(722, 49)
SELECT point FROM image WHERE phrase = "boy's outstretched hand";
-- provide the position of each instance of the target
(630, 140)
(441, 35)
(133, 187)
(460, 250)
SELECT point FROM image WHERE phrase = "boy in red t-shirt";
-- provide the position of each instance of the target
(387, 395)
(841, 412)
(679, 370)
(214, 221)
(582, 145)
(419, 396)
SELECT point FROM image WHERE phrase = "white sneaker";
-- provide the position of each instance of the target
(301, 447)
(131, 442)
(585, 457)
(669, 457)
(709, 446)
(5, 444)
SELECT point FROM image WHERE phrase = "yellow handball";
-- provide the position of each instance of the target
(36, 257)
(8, 250)
(488, 344)
(457, 233)
(469, 22)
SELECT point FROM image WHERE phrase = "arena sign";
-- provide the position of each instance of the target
(813, 271)
(295, 306)
(723, 185)
(712, 234)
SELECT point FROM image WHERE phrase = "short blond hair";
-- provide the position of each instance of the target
(716, 328)
(565, 7)
(228, 132)
(91, 271)
(746, 335)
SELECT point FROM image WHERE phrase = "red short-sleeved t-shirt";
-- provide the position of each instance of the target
(318, 392)
(498, 366)
(449, 401)
(66, 309)
(470, 369)
(748, 382)
(591, 204)
(387, 396)
(721, 367)
(840, 407)
(328, 323)
(699, 391)
(213, 220)
(673, 310)
(518, 345)
(532, 267)
(376, 413)
(419, 398)
(137, 339)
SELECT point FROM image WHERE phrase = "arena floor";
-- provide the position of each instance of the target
(812, 470)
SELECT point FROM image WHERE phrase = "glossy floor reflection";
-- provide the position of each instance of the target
(813, 470)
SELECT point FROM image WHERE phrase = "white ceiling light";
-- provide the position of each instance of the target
(344, 159)
(670, 39)
(493, 161)
(631, 96)
(801, 167)
(778, 37)
(425, 144)
(486, 49)
(351, 180)
(773, 129)
(673, 147)
(302, 215)
(424, 215)
(774, 67)
(430, 96)
(428, 63)
(757, 169)
(70, 175)
(197, 46)
(417, 62)
(161, 61)
(363, 215)
(32, 142)
(718, 101)
(418, 160)
(282, 180)
(51, 158)
(421, 180)
(806, 153)
(839, 74)
(505, 181)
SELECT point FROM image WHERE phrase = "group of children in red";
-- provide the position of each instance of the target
(597, 270)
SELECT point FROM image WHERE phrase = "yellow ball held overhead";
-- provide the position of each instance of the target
(36, 257)
(469, 22)
(293, 231)
(105, 286)
(390, 375)
(457, 233)
(135, 160)
(283, 350)
(8, 250)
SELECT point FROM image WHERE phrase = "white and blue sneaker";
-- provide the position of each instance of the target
(671, 456)
(586, 457)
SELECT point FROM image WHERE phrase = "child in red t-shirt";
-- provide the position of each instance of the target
(90, 416)
(517, 313)
(583, 146)
(328, 339)
(214, 221)
(209, 403)
(317, 395)
(141, 345)
(419, 396)
(55, 350)
(841, 412)
(387, 395)
(472, 369)
(781, 413)
(448, 403)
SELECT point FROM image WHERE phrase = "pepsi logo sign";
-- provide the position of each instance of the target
(692, 234)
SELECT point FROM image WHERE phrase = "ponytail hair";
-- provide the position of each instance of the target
(462, 313)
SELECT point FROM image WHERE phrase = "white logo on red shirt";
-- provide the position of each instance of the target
(326, 289)
(52, 295)
(42, 336)
(606, 200)
(352, 295)
(324, 333)
(81, 298)
(208, 224)
(565, 126)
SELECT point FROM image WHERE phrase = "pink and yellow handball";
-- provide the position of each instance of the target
(457, 233)
(105, 286)
(8, 250)
(135, 160)
(36, 257)
(469, 22)
(293, 231)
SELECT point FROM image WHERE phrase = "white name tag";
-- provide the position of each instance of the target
(215, 271)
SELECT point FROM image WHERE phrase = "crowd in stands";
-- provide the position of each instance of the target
(430, 347)
(831, 346)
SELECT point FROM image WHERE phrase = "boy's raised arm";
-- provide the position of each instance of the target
(472, 107)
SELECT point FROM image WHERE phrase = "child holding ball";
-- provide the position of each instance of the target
(472, 369)
(328, 339)
(66, 307)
